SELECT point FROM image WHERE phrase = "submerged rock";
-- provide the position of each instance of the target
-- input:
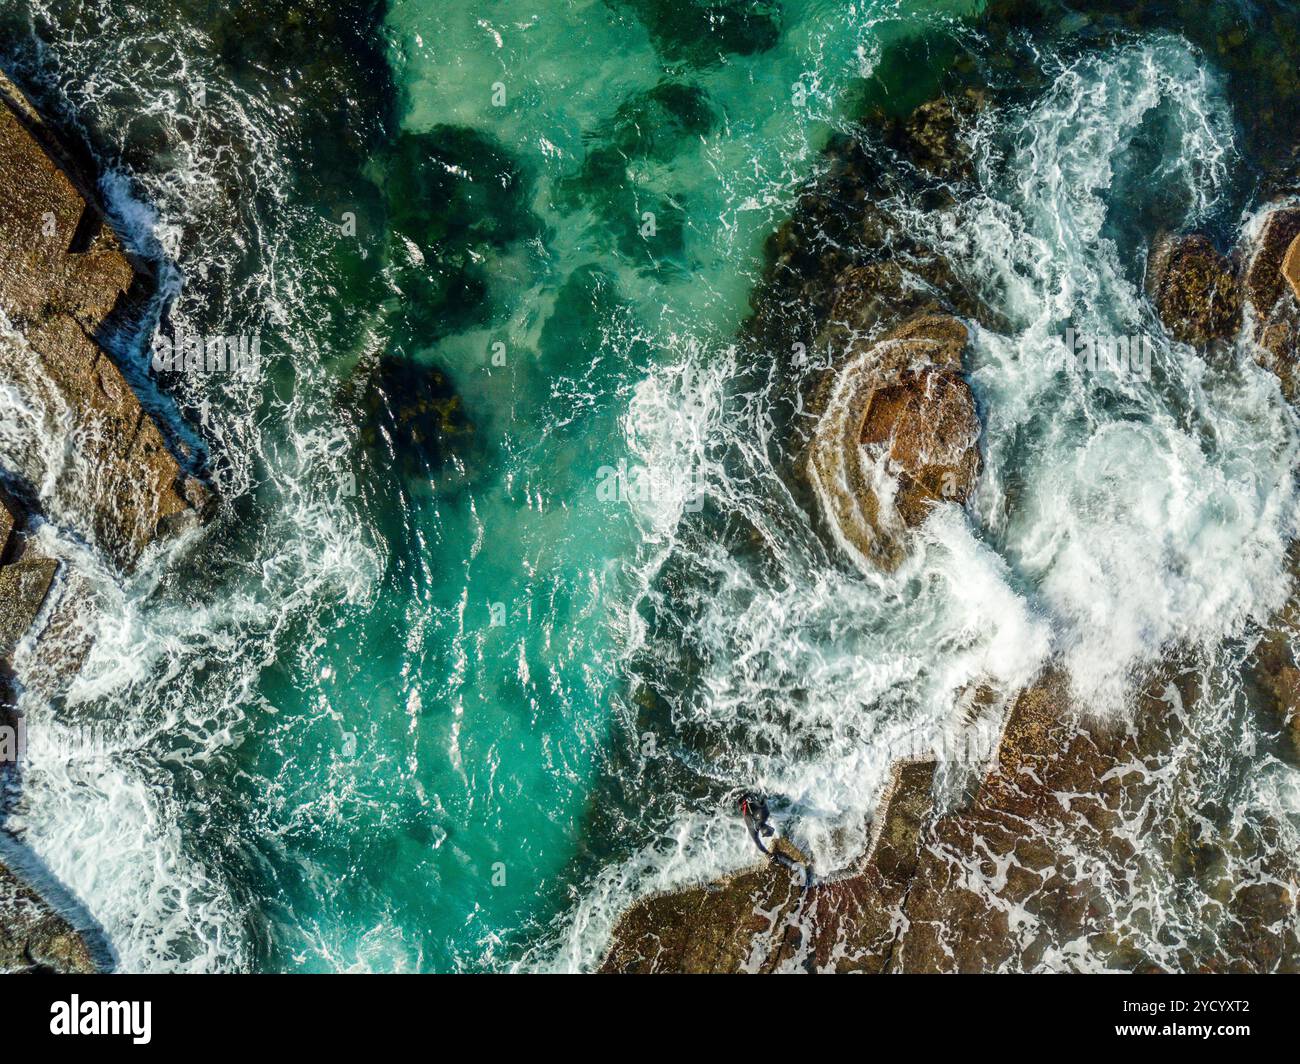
(414, 418)
(899, 433)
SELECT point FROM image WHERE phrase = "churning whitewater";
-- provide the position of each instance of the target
(454, 698)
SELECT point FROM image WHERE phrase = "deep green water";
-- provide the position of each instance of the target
(392, 713)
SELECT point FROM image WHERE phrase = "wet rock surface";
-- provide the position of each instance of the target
(853, 285)
(110, 477)
(1274, 306)
(1204, 297)
(899, 434)
(764, 919)
(9, 516)
(1195, 290)
(1085, 843)
(935, 137)
(23, 587)
(1291, 266)
(62, 276)
(34, 938)
(1045, 868)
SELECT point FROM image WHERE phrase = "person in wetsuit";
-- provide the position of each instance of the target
(754, 810)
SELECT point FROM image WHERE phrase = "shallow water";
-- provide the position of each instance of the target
(449, 702)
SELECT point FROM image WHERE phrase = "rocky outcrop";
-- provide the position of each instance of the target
(897, 427)
(8, 518)
(935, 137)
(23, 587)
(34, 938)
(1291, 267)
(764, 920)
(1203, 296)
(1274, 675)
(104, 468)
(1077, 826)
(1195, 290)
(845, 263)
(1038, 870)
(25, 580)
(1264, 280)
(898, 434)
(1275, 307)
(62, 276)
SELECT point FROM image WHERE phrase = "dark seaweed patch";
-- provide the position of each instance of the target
(702, 32)
(455, 194)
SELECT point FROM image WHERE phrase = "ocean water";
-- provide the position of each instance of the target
(509, 587)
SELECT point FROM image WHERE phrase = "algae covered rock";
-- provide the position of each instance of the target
(1195, 290)
(34, 938)
(933, 137)
(414, 419)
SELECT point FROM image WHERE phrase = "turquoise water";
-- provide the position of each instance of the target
(506, 590)
(468, 801)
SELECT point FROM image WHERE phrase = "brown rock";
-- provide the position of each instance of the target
(760, 920)
(1264, 279)
(1002, 854)
(1271, 263)
(730, 926)
(23, 587)
(930, 137)
(126, 488)
(899, 433)
(56, 253)
(8, 518)
(62, 273)
(1195, 290)
(1274, 673)
(1037, 871)
(1291, 267)
(34, 937)
(870, 294)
